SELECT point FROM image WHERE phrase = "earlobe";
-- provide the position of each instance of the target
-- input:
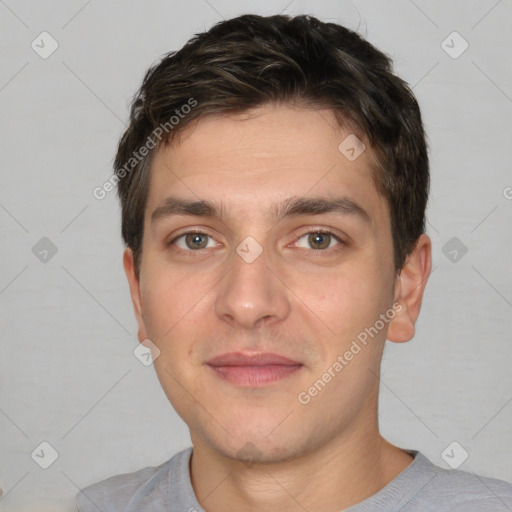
(134, 283)
(410, 285)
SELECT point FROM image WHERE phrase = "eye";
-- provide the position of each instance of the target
(192, 241)
(319, 240)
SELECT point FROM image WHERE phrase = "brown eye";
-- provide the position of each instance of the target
(192, 241)
(318, 240)
(196, 240)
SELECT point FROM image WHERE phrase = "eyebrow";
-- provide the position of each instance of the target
(291, 207)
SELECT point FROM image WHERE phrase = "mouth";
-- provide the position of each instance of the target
(253, 370)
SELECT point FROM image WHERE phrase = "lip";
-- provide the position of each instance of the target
(258, 359)
(253, 370)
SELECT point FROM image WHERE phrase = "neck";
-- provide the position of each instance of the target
(342, 472)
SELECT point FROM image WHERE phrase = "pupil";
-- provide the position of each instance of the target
(317, 238)
(195, 241)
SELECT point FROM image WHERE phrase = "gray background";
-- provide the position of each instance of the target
(67, 372)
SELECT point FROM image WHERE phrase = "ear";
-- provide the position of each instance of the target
(409, 287)
(133, 281)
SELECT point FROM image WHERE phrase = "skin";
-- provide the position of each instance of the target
(328, 454)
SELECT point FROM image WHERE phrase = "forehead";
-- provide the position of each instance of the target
(250, 160)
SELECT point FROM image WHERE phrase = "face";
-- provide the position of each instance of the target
(273, 274)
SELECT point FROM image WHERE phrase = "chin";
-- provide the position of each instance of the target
(260, 451)
(258, 444)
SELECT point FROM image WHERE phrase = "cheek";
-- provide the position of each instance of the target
(345, 300)
(177, 309)
(170, 297)
(174, 314)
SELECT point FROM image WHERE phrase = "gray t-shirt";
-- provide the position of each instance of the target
(421, 486)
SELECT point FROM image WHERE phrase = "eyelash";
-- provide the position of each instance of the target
(321, 231)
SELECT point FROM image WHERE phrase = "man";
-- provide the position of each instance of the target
(273, 183)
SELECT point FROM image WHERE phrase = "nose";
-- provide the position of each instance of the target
(251, 293)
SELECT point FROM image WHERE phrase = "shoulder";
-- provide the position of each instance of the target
(148, 486)
(473, 492)
(464, 491)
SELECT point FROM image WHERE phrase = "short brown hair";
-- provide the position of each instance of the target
(250, 61)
